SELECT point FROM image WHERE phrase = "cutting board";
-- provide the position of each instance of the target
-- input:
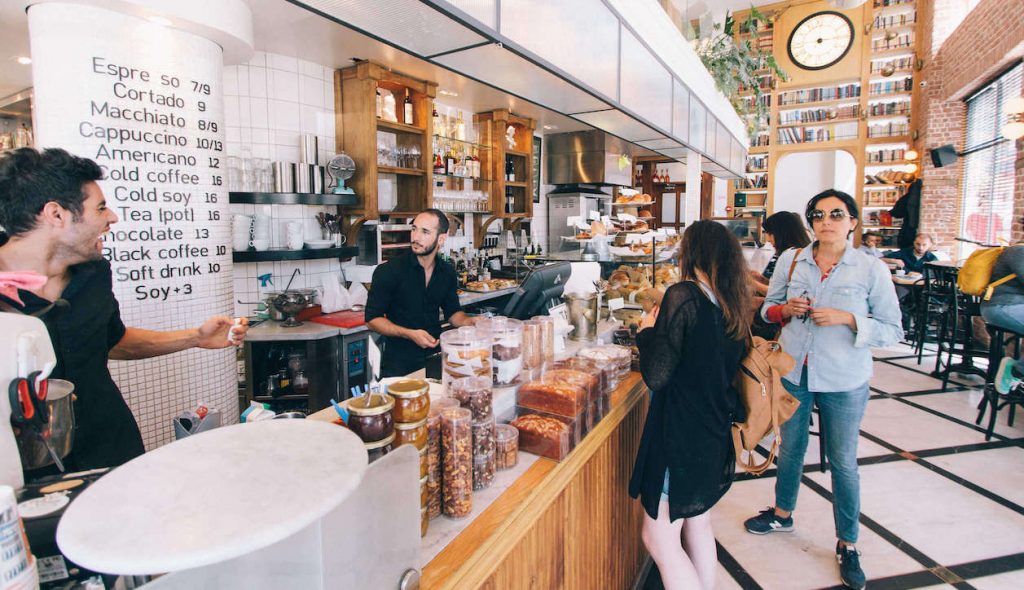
(342, 319)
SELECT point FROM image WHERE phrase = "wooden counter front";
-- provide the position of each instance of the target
(560, 525)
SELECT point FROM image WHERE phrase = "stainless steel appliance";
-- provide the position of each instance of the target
(380, 242)
(572, 201)
(588, 157)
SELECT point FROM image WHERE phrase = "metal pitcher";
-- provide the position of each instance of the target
(583, 315)
(31, 447)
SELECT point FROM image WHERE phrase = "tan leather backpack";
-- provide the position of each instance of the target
(768, 404)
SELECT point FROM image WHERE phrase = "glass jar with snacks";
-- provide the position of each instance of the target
(434, 495)
(376, 450)
(483, 471)
(483, 437)
(457, 462)
(506, 446)
(543, 435)
(618, 358)
(411, 434)
(533, 353)
(425, 460)
(424, 495)
(474, 393)
(464, 353)
(547, 337)
(412, 399)
(370, 417)
(506, 335)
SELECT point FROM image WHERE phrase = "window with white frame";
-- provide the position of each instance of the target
(988, 175)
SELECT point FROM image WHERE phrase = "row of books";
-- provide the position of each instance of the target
(891, 86)
(897, 42)
(896, 107)
(885, 3)
(881, 198)
(900, 63)
(889, 155)
(791, 135)
(888, 129)
(817, 115)
(757, 162)
(819, 94)
(884, 21)
(754, 181)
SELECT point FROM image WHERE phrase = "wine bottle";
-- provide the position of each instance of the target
(408, 107)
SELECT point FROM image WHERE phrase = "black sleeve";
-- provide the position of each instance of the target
(382, 290)
(661, 347)
(115, 327)
(900, 208)
(451, 303)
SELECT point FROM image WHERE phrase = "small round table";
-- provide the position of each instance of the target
(212, 497)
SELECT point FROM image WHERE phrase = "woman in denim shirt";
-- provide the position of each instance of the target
(838, 304)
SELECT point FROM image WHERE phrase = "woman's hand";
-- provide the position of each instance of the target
(796, 307)
(825, 316)
(649, 318)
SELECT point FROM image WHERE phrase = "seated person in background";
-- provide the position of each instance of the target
(1006, 310)
(870, 242)
(914, 258)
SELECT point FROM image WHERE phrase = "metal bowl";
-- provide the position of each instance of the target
(290, 415)
(289, 304)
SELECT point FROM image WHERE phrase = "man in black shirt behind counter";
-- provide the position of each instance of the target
(407, 295)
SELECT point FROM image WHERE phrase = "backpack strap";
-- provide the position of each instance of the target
(992, 286)
(792, 266)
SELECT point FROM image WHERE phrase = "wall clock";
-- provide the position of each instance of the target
(820, 40)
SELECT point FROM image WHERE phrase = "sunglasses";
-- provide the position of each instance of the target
(834, 215)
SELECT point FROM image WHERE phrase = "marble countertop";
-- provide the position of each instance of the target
(271, 331)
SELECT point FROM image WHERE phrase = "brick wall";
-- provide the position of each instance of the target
(964, 54)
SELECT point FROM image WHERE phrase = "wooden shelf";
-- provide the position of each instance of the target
(515, 153)
(872, 96)
(400, 171)
(274, 255)
(761, 171)
(818, 123)
(888, 139)
(821, 103)
(516, 184)
(892, 51)
(890, 116)
(291, 199)
(436, 175)
(400, 127)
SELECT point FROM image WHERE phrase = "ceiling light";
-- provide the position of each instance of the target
(550, 127)
(1013, 131)
(1014, 110)
(159, 20)
(910, 155)
(447, 93)
(910, 168)
(23, 60)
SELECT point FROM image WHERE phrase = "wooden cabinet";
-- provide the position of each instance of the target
(511, 138)
(405, 158)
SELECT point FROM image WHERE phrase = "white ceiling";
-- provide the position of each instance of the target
(13, 43)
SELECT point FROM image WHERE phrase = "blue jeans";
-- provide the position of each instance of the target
(840, 416)
(1010, 317)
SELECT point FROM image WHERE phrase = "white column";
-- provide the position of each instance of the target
(144, 100)
(693, 170)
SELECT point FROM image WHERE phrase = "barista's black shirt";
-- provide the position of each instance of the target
(399, 292)
(83, 332)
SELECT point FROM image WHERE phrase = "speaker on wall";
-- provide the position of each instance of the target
(943, 155)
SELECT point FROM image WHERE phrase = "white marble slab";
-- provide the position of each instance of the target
(212, 497)
(271, 331)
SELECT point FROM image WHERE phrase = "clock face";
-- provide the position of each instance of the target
(820, 40)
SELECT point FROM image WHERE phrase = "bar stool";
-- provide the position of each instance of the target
(956, 336)
(820, 433)
(939, 284)
(999, 338)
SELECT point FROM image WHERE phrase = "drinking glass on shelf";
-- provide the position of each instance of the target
(264, 175)
(414, 156)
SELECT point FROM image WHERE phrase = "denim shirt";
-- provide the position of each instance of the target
(837, 358)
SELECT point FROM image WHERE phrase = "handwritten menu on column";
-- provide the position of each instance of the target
(165, 176)
(145, 102)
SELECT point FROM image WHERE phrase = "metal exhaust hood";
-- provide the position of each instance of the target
(588, 157)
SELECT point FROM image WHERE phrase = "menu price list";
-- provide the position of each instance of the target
(159, 140)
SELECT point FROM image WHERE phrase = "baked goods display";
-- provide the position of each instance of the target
(506, 446)
(626, 281)
(547, 395)
(490, 285)
(543, 435)
(637, 199)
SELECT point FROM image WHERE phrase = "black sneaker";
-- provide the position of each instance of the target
(767, 521)
(850, 571)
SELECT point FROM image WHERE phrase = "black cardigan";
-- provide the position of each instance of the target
(689, 362)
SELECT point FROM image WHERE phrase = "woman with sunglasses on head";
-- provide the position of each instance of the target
(834, 304)
(690, 350)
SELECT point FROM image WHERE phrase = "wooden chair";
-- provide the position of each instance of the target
(932, 303)
(993, 400)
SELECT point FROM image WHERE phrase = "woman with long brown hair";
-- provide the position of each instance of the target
(690, 349)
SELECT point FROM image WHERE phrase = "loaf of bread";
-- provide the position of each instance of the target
(565, 397)
(543, 435)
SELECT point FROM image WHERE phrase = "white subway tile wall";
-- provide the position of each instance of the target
(269, 103)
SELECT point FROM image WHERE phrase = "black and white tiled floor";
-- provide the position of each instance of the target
(940, 506)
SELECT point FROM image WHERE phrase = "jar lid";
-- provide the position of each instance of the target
(410, 425)
(506, 432)
(381, 443)
(408, 388)
(379, 404)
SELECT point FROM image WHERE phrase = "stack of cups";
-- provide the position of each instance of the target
(261, 232)
(412, 405)
(476, 395)
(241, 233)
(293, 235)
(17, 566)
